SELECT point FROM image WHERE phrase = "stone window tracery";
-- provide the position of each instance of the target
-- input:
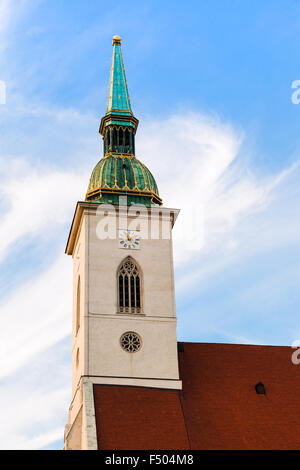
(129, 287)
(131, 342)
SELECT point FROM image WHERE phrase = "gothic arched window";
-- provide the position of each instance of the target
(129, 287)
(127, 137)
(127, 143)
(121, 140)
(114, 139)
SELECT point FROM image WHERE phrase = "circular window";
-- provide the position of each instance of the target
(131, 342)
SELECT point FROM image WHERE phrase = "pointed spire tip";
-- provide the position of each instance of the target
(116, 40)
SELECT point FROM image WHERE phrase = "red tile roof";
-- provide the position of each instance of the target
(218, 407)
(139, 418)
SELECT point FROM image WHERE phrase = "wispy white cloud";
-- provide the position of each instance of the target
(34, 418)
(203, 169)
(39, 441)
(39, 199)
(36, 316)
(41, 182)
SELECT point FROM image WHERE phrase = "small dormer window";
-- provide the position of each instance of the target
(260, 388)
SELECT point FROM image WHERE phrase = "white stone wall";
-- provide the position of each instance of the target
(97, 342)
(157, 325)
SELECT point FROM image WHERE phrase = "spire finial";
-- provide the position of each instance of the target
(116, 40)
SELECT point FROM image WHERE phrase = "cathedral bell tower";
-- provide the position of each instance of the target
(124, 318)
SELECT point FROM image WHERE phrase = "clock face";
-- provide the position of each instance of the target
(129, 239)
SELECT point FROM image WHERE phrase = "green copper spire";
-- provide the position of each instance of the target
(118, 112)
(119, 172)
(118, 96)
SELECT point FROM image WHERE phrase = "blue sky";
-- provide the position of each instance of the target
(210, 83)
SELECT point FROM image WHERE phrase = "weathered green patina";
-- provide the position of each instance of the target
(120, 173)
(118, 96)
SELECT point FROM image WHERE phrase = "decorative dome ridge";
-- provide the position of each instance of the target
(122, 175)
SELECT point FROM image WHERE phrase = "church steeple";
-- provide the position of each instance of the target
(118, 126)
(124, 316)
(118, 96)
(119, 172)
